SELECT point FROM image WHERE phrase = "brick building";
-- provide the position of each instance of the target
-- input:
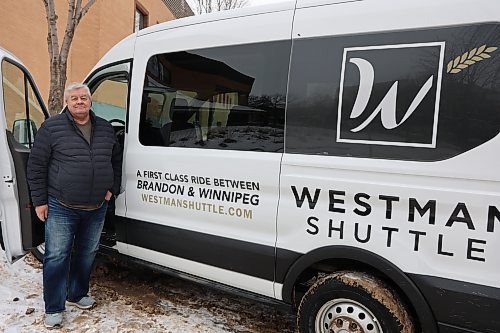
(23, 31)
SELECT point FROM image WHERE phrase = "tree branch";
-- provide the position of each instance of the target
(86, 8)
(78, 7)
(70, 29)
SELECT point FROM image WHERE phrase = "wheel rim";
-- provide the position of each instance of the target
(346, 316)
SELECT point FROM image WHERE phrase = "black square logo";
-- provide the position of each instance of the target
(389, 94)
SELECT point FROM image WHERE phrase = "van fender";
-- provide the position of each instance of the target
(392, 272)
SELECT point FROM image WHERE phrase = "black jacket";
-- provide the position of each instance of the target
(63, 165)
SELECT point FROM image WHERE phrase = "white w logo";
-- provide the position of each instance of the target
(387, 107)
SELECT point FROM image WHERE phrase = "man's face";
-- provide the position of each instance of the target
(78, 102)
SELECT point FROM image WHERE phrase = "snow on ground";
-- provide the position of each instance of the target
(133, 299)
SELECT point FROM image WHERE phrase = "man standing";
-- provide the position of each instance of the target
(73, 171)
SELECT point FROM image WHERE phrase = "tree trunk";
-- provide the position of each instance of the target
(59, 56)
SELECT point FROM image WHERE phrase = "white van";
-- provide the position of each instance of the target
(340, 156)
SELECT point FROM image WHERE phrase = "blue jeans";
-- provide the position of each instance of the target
(66, 273)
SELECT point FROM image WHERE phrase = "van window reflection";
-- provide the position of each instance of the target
(221, 98)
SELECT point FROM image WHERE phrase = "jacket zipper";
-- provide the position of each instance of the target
(91, 154)
(91, 159)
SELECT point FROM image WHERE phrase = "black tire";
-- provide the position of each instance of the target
(38, 252)
(352, 302)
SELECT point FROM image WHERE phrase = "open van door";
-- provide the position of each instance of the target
(21, 114)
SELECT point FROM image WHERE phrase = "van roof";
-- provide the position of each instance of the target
(427, 13)
(220, 15)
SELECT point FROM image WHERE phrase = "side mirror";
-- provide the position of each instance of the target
(22, 130)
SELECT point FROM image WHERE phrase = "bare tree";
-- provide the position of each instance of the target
(208, 6)
(59, 54)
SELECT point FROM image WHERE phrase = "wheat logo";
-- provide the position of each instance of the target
(469, 58)
(383, 87)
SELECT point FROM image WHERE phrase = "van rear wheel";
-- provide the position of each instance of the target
(352, 302)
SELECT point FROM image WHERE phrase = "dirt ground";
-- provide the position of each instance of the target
(135, 299)
(156, 293)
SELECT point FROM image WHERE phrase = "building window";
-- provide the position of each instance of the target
(141, 17)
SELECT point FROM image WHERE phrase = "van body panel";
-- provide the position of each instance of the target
(200, 215)
(121, 51)
(475, 301)
(224, 276)
(444, 248)
(194, 179)
(355, 174)
(340, 195)
(221, 262)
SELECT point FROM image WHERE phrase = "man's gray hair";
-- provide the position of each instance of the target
(75, 86)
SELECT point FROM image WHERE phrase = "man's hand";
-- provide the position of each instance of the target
(108, 196)
(42, 212)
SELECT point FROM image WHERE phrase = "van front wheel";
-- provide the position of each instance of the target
(352, 302)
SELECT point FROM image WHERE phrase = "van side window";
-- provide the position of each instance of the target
(109, 99)
(220, 98)
(109, 88)
(412, 104)
(23, 111)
